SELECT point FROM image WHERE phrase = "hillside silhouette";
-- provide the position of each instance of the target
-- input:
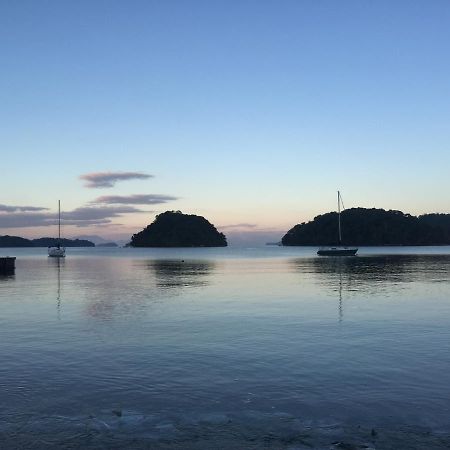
(363, 226)
(16, 241)
(51, 242)
(175, 229)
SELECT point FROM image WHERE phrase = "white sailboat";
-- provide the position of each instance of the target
(58, 251)
(339, 250)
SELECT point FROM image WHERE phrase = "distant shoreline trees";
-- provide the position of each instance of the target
(16, 241)
(363, 226)
(360, 226)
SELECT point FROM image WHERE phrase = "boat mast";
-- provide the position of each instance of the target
(339, 217)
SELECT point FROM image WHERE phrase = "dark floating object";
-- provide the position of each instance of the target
(7, 264)
(337, 251)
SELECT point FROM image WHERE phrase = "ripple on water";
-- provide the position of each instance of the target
(237, 352)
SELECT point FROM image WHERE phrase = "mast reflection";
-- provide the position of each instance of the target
(57, 263)
(372, 275)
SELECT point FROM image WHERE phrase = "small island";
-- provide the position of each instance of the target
(363, 226)
(107, 244)
(175, 229)
(16, 241)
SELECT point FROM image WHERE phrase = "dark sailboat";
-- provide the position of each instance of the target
(338, 250)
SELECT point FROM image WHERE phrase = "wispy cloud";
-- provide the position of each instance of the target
(136, 199)
(246, 226)
(80, 217)
(21, 220)
(11, 208)
(109, 179)
(99, 213)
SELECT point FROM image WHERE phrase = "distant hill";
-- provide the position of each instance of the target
(93, 238)
(175, 229)
(361, 226)
(107, 244)
(49, 242)
(16, 241)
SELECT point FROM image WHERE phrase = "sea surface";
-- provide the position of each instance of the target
(228, 348)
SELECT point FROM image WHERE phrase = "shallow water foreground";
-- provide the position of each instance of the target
(225, 349)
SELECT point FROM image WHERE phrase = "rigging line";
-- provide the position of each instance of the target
(342, 202)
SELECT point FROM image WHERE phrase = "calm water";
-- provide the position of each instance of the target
(226, 348)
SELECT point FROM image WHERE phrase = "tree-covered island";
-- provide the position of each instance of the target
(16, 241)
(362, 226)
(175, 229)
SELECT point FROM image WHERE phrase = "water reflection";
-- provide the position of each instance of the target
(7, 277)
(372, 275)
(134, 287)
(170, 274)
(57, 264)
(373, 272)
(177, 345)
(341, 309)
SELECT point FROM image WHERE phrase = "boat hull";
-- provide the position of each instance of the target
(56, 252)
(335, 251)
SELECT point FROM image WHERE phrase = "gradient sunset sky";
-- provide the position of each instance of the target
(250, 113)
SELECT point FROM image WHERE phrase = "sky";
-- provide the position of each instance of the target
(252, 113)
